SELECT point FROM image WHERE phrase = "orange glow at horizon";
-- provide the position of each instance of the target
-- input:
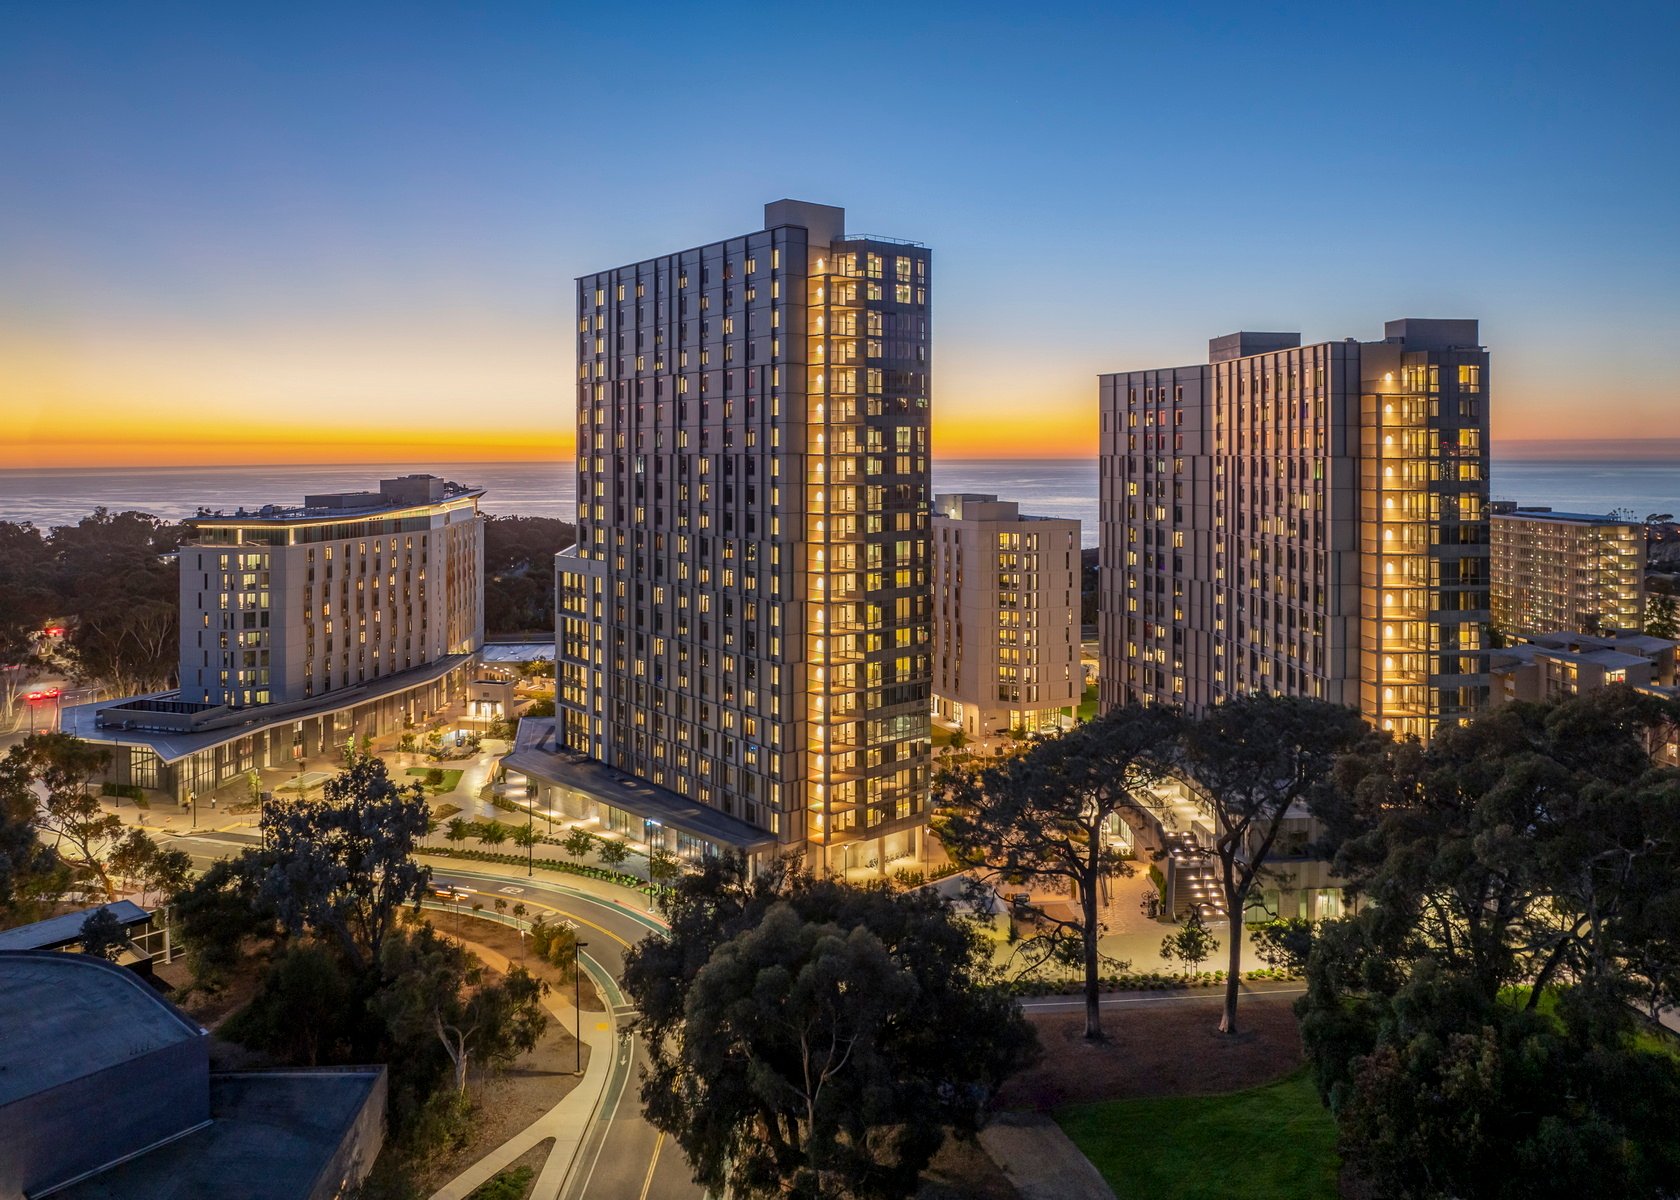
(438, 389)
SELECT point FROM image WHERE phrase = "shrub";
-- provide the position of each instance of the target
(126, 791)
(621, 878)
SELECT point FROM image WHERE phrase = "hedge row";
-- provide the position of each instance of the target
(127, 791)
(548, 864)
(1152, 981)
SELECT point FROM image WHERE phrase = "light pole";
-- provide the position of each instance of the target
(530, 831)
(577, 1002)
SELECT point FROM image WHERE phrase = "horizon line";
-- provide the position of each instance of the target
(1514, 449)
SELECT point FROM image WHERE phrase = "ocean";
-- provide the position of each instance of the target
(1052, 487)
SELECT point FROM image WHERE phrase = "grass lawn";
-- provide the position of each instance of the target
(1088, 705)
(1272, 1143)
(451, 777)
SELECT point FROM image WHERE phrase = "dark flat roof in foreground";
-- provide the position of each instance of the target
(67, 927)
(67, 1016)
(537, 754)
(271, 1136)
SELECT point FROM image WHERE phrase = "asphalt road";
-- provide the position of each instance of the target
(623, 1156)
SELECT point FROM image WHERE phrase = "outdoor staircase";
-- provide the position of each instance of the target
(1192, 878)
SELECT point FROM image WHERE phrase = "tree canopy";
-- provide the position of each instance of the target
(1475, 1029)
(1040, 816)
(1251, 761)
(437, 989)
(813, 1039)
(344, 865)
(69, 820)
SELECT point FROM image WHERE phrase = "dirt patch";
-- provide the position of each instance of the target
(210, 1009)
(506, 940)
(962, 1170)
(1167, 1048)
(505, 1103)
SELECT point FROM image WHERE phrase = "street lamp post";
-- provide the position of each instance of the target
(530, 831)
(577, 1002)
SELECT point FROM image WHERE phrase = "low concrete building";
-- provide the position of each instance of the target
(106, 1092)
(1555, 666)
(565, 787)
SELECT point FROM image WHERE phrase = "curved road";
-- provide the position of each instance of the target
(622, 1155)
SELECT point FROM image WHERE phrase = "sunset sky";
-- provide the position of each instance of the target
(347, 232)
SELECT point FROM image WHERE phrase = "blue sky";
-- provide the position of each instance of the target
(347, 219)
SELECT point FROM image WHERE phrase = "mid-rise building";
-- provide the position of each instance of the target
(283, 604)
(1307, 520)
(1006, 617)
(745, 623)
(352, 615)
(1570, 572)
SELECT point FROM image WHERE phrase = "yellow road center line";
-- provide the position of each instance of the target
(647, 1183)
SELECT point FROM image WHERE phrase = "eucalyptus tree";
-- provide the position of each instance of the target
(1044, 816)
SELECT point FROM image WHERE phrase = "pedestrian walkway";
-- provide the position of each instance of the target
(1040, 1160)
(568, 1121)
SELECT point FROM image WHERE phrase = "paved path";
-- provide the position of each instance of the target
(1040, 1160)
(569, 1121)
(621, 1154)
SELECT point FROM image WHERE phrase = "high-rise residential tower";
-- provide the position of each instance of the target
(1309, 520)
(746, 620)
(1565, 572)
(1006, 616)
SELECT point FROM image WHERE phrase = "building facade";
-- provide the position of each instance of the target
(1569, 572)
(355, 614)
(1307, 520)
(746, 619)
(284, 604)
(1006, 617)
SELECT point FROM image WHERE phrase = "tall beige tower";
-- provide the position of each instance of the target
(1308, 520)
(746, 619)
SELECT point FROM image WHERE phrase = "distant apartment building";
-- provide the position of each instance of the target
(1549, 667)
(744, 627)
(1575, 572)
(1307, 520)
(1006, 616)
(352, 614)
(1555, 666)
